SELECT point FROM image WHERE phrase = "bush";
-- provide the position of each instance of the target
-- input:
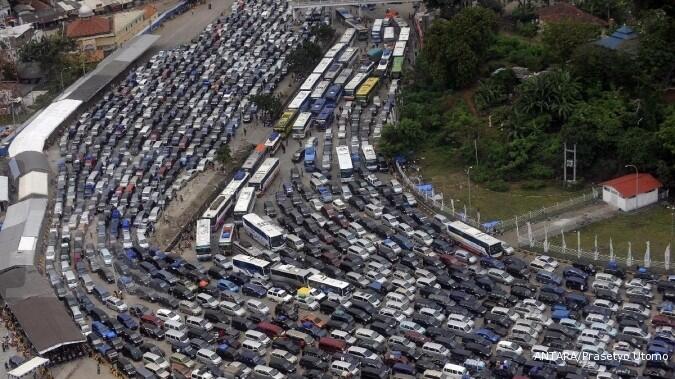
(534, 184)
(497, 186)
(526, 29)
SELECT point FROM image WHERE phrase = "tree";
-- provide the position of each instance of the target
(304, 58)
(324, 33)
(404, 138)
(270, 105)
(555, 93)
(48, 51)
(657, 50)
(224, 156)
(605, 68)
(561, 38)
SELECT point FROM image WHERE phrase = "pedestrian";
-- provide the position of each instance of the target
(98, 368)
(244, 132)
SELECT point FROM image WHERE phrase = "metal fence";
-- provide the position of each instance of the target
(595, 256)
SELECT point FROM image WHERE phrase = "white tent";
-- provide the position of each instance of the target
(27, 368)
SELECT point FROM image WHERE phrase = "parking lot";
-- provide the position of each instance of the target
(331, 269)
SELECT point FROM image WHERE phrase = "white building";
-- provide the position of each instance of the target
(631, 191)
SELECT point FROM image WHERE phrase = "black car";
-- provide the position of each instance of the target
(309, 362)
(125, 365)
(282, 365)
(151, 331)
(132, 352)
(286, 344)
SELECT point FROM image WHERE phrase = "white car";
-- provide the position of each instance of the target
(500, 276)
(541, 265)
(339, 205)
(283, 354)
(389, 220)
(166, 315)
(257, 306)
(316, 204)
(616, 282)
(279, 295)
(116, 304)
(549, 260)
(307, 303)
(638, 283)
(505, 345)
(465, 256)
(320, 177)
(602, 303)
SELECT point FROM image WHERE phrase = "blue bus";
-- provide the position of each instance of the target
(334, 93)
(325, 118)
(317, 106)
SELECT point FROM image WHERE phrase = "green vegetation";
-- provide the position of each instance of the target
(652, 224)
(304, 58)
(224, 155)
(607, 102)
(270, 105)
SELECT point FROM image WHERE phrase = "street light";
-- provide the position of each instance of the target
(468, 175)
(637, 176)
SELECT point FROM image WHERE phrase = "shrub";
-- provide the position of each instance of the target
(526, 29)
(497, 186)
(534, 184)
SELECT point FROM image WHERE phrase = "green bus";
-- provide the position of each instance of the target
(397, 67)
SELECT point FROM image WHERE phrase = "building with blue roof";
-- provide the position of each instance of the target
(623, 39)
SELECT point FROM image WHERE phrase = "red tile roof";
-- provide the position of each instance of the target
(563, 11)
(625, 185)
(87, 27)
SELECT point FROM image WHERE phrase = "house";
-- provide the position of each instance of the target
(632, 191)
(623, 39)
(563, 11)
(106, 33)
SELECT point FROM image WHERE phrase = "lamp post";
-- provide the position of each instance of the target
(468, 176)
(637, 176)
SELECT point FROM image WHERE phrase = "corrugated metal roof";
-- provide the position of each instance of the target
(34, 183)
(4, 188)
(20, 233)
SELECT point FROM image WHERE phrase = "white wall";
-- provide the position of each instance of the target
(611, 197)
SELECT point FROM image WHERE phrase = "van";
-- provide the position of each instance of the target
(208, 357)
(435, 350)
(332, 345)
(294, 242)
(174, 325)
(176, 336)
(595, 334)
(144, 373)
(344, 369)
(366, 297)
(198, 323)
(374, 211)
(77, 314)
(87, 282)
(453, 371)
(70, 279)
(258, 336)
(149, 358)
(357, 229)
(254, 346)
(458, 325)
(301, 338)
(157, 371)
(369, 336)
(603, 285)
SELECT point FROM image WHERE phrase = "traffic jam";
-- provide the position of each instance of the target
(313, 261)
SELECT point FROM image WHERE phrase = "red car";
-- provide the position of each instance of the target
(661, 320)
(418, 338)
(395, 357)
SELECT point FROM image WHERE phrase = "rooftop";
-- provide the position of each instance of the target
(563, 11)
(626, 185)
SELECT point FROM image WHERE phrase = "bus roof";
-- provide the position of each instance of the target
(404, 34)
(302, 119)
(347, 55)
(344, 157)
(300, 98)
(267, 227)
(323, 65)
(291, 270)
(397, 66)
(329, 281)
(263, 170)
(310, 82)
(470, 230)
(246, 195)
(250, 259)
(399, 48)
(335, 50)
(356, 81)
(367, 86)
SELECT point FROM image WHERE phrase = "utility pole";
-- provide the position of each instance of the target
(468, 175)
(569, 163)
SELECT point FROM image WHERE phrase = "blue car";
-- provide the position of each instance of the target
(573, 272)
(553, 289)
(488, 335)
(227, 285)
(489, 262)
(127, 321)
(576, 300)
(559, 314)
(254, 290)
(249, 358)
(102, 330)
(546, 277)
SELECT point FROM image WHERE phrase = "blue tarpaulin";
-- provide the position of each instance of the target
(428, 188)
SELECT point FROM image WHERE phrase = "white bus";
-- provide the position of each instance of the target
(345, 163)
(399, 49)
(322, 66)
(376, 31)
(226, 237)
(244, 204)
(344, 76)
(389, 34)
(368, 155)
(476, 240)
(354, 84)
(266, 233)
(254, 159)
(252, 267)
(404, 34)
(320, 90)
(335, 50)
(348, 56)
(301, 125)
(222, 204)
(273, 143)
(203, 239)
(300, 102)
(290, 275)
(330, 285)
(310, 82)
(382, 67)
(348, 36)
(265, 175)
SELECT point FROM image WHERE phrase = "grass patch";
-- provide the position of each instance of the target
(652, 224)
(448, 175)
